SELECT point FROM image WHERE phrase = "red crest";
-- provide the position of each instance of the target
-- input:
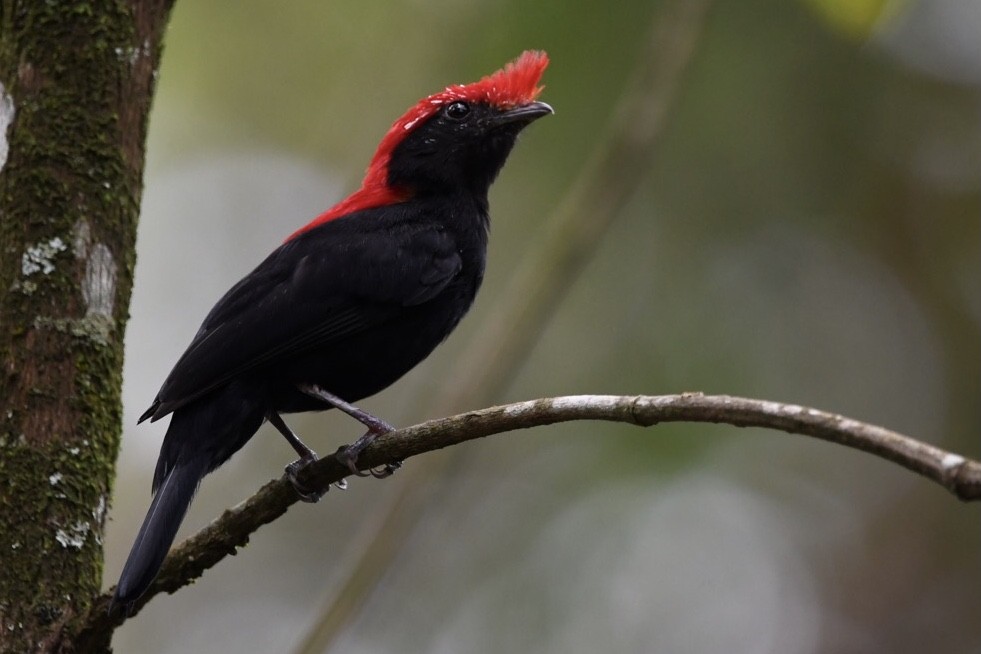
(515, 84)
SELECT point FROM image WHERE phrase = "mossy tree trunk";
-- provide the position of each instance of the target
(76, 81)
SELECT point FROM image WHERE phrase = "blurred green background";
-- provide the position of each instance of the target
(808, 231)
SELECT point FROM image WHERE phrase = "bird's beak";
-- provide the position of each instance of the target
(524, 114)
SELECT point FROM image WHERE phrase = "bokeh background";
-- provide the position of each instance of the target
(807, 230)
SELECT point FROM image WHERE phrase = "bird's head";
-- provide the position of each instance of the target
(456, 139)
(460, 137)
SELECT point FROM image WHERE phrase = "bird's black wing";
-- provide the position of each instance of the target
(318, 288)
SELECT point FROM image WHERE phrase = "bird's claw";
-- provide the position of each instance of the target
(293, 472)
(348, 456)
(386, 470)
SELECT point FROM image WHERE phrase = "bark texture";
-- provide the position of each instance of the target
(76, 82)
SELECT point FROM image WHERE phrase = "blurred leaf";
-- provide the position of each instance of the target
(855, 18)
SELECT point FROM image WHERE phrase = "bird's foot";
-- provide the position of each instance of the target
(380, 472)
(293, 474)
(307, 456)
(348, 454)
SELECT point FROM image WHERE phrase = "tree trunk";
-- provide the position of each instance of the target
(76, 81)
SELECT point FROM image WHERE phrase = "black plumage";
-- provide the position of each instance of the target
(349, 304)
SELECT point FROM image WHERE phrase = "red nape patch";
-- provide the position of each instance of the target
(364, 198)
(513, 85)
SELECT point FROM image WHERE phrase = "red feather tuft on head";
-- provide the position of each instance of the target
(515, 84)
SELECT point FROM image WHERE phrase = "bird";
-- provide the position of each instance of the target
(346, 305)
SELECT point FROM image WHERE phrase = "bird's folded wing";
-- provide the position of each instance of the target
(310, 293)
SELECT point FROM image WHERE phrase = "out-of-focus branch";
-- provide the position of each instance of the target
(595, 199)
(572, 234)
(958, 474)
(887, 230)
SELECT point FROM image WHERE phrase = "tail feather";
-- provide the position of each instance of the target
(159, 528)
(201, 437)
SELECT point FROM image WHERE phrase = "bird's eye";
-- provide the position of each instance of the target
(457, 110)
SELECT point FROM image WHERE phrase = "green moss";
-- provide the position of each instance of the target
(66, 65)
(96, 329)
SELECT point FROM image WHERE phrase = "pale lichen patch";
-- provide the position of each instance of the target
(26, 286)
(131, 53)
(74, 536)
(39, 258)
(99, 512)
(81, 238)
(91, 328)
(99, 285)
(7, 113)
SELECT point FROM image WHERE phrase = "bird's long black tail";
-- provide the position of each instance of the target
(159, 528)
(201, 436)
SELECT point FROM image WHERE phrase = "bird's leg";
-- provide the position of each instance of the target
(348, 454)
(307, 456)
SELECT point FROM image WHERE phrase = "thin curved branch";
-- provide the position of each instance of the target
(960, 475)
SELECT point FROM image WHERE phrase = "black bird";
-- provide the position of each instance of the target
(347, 305)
